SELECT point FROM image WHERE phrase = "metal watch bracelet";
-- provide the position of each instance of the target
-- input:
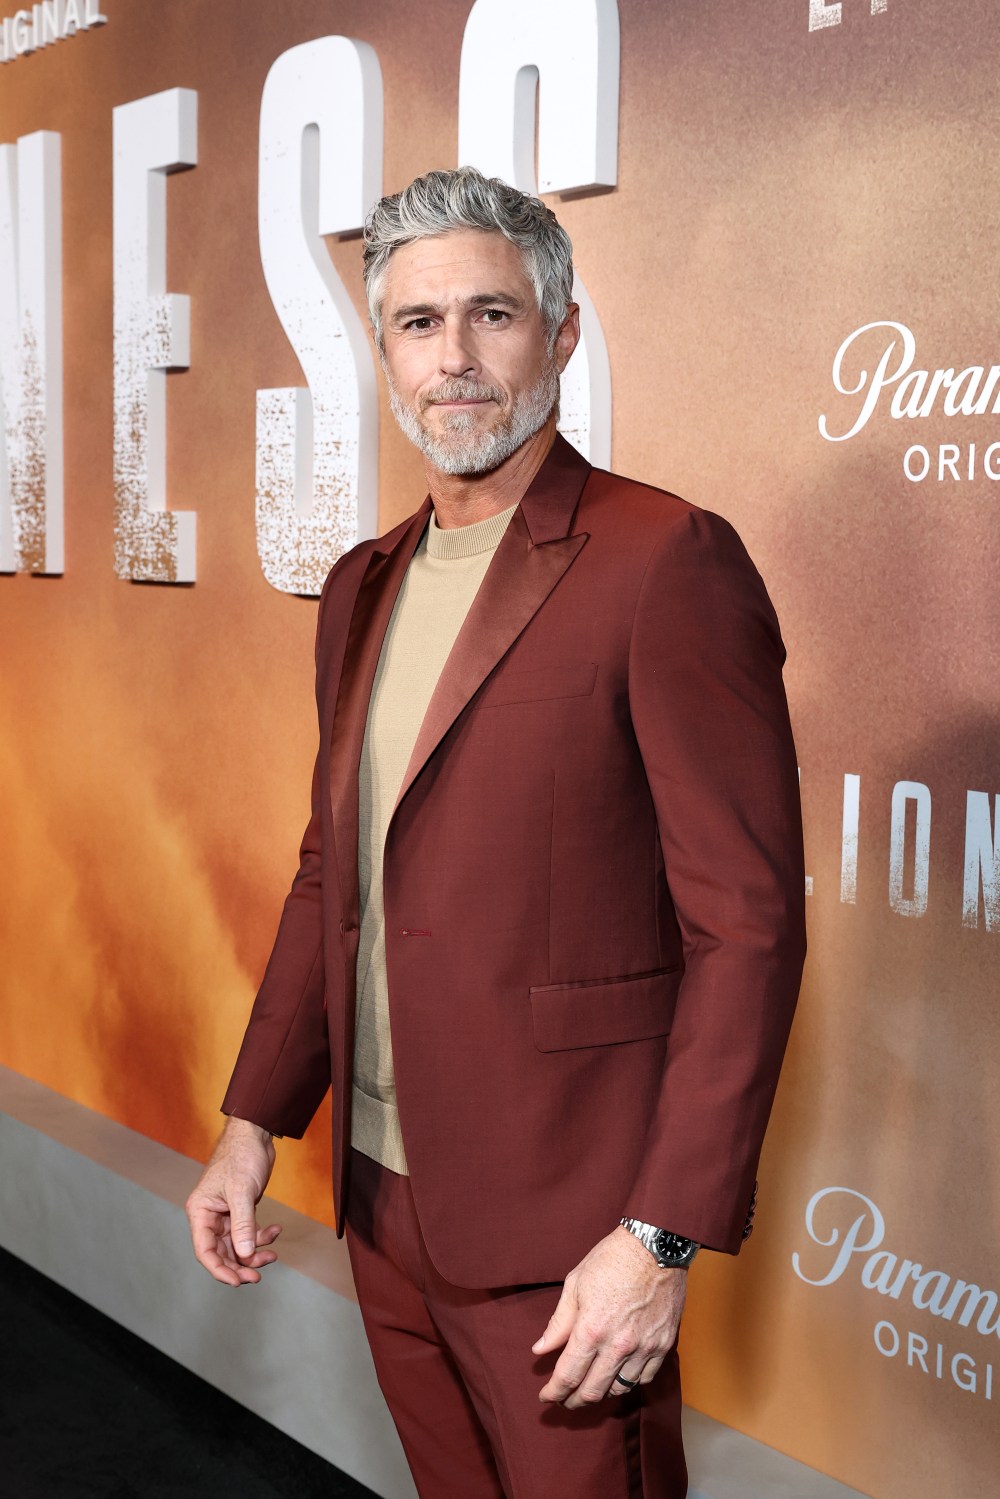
(670, 1251)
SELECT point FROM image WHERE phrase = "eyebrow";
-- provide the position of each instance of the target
(480, 299)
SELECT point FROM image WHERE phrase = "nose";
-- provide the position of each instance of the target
(457, 356)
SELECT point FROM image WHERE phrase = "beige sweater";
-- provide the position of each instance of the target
(440, 584)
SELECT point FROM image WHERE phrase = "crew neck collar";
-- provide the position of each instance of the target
(466, 541)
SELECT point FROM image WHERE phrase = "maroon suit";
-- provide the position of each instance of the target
(593, 887)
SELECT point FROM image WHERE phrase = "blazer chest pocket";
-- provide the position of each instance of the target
(600, 1012)
(574, 680)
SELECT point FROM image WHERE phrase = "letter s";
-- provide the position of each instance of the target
(569, 51)
(320, 172)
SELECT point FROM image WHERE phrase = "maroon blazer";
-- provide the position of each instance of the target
(593, 883)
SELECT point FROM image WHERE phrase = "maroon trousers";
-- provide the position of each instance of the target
(457, 1372)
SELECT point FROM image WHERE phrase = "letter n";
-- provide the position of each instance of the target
(982, 861)
(31, 395)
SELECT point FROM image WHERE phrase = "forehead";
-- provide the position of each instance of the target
(448, 267)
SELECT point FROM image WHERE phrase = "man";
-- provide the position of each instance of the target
(547, 930)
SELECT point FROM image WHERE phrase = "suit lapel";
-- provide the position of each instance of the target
(533, 554)
(373, 605)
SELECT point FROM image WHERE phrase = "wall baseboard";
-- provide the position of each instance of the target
(100, 1210)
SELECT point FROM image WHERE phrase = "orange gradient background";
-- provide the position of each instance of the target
(778, 189)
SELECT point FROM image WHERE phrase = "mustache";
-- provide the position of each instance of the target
(458, 389)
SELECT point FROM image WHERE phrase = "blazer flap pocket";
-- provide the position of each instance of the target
(575, 680)
(598, 1012)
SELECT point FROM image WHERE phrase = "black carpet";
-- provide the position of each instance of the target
(89, 1410)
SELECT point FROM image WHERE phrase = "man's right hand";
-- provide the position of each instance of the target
(222, 1209)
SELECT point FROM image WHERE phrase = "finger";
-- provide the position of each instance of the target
(258, 1261)
(560, 1324)
(234, 1273)
(213, 1248)
(205, 1240)
(600, 1381)
(243, 1217)
(220, 1268)
(247, 1277)
(651, 1368)
(571, 1369)
(633, 1372)
(255, 1261)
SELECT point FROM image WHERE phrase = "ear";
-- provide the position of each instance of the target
(568, 336)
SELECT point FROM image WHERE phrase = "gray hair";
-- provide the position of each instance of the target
(464, 199)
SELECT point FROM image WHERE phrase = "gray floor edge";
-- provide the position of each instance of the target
(292, 1350)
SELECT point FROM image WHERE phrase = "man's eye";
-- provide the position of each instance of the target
(494, 316)
(420, 324)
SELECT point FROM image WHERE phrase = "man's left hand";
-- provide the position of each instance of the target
(619, 1312)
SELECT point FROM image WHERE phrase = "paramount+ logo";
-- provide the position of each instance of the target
(876, 371)
(927, 1320)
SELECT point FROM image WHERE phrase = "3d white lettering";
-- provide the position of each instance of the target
(317, 448)
(568, 53)
(23, 31)
(151, 137)
(902, 793)
(47, 22)
(31, 356)
(849, 840)
(982, 861)
(824, 13)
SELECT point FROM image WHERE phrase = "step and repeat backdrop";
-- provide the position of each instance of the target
(785, 217)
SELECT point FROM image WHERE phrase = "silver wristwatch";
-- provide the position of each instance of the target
(670, 1251)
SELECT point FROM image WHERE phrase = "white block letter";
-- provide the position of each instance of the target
(320, 173)
(982, 861)
(31, 395)
(567, 51)
(903, 792)
(152, 136)
(849, 840)
(822, 15)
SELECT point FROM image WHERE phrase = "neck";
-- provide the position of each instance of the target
(460, 499)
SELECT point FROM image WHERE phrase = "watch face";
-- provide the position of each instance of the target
(672, 1250)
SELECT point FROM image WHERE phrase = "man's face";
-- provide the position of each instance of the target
(466, 349)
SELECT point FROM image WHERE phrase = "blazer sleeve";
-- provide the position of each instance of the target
(711, 720)
(283, 1068)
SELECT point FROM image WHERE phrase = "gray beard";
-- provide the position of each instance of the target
(462, 450)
